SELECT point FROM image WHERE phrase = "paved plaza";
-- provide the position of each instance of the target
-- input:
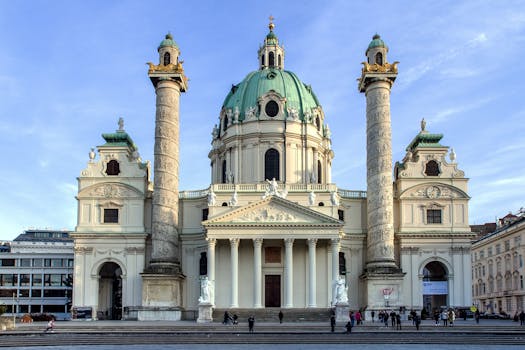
(129, 335)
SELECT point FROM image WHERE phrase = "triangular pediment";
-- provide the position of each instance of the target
(273, 211)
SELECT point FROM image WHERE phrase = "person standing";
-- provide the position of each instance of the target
(393, 318)
(444, 317)
(332, 323)
(281, 316)
(372, 314)
(398, 321)
(251, 323)
(522, 318)
(418, 321)
(476, 315)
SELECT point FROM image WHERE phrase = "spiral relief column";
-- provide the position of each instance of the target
(162, 279)
(376, 81)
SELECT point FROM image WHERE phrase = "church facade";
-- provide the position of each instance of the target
(271, 230)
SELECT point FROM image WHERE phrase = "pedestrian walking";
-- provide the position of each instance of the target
(476, 316)
(522, 318)
(436, 318)
(251, 323)
(332, 323)
(281, 316)
(358, 317)
(385, 318)
(398, 321)
(451, 317)
(50, 326)
(372, 314)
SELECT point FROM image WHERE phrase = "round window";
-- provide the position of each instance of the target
(271, 109)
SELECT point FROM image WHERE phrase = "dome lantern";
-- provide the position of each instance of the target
(376, 51)
(271, 54)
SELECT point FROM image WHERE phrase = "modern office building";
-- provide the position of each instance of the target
(498, 268)
(36, 273)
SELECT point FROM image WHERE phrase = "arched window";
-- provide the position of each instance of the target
(318, 123)
(113, 167)
(167, 58)
(271, 59)
(224, 124)
(223, 180)
(279, 60)
(379, 58)
(432, 168)
(262, 60)
(203, 264)
(271, 164)
(319, 172)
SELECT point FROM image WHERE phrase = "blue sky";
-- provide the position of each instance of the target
(70, 69)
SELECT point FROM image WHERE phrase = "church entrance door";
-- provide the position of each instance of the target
(435, 287)
(110, 292)
(272, 290)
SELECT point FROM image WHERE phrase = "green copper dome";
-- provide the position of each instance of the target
(168, 41)
(377, 42)
(258, 83)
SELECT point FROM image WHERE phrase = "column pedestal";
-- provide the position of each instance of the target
(383, 290)
(205, 313)
(342, 313)
(161, 298)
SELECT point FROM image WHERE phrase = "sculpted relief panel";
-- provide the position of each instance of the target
(110, 191)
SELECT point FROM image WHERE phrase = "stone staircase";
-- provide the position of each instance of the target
(272, 314)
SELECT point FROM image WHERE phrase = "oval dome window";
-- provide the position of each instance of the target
(271, 109)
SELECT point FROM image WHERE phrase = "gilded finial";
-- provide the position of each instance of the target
(271, 25)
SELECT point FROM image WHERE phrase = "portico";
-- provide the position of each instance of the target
(274, 256)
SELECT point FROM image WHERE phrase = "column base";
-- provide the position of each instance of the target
(205, 313)
(158, 313)
(383, 288)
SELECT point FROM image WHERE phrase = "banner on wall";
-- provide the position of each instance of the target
(435, 288)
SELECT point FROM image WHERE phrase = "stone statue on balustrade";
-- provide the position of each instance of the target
(272, 189)
(211, 197)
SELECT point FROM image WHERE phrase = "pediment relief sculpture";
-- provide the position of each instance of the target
(434, 191)
(110, 191)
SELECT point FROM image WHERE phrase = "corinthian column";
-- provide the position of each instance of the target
(312, 243)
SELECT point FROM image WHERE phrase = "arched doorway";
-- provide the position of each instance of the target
(110, 292)
(435, 286)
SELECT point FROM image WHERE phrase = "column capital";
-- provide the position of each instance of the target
(234, 242)
(211, 242)
(289, 241)
(335, 241)
(257, 242)
(312, 242)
